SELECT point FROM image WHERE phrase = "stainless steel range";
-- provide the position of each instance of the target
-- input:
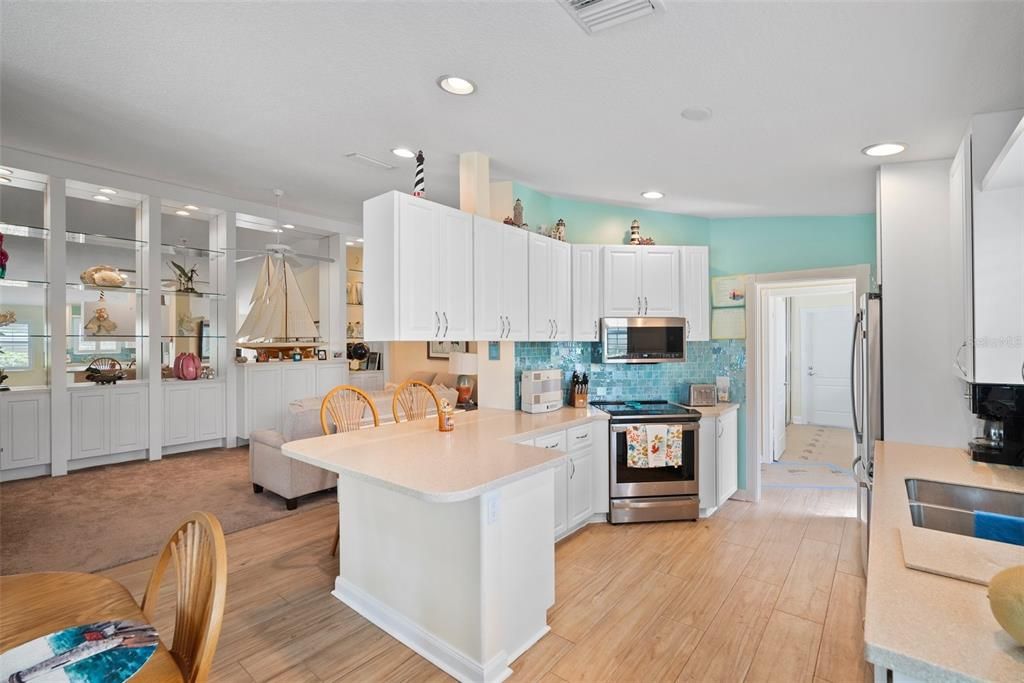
(651, 494)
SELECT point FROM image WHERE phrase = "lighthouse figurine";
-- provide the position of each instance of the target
(419, 185)
(634, 232)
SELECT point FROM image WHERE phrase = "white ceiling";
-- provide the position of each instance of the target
(240, 98)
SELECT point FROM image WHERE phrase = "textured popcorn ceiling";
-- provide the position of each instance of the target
(243, 97)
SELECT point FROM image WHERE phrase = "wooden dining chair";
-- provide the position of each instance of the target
(343, 408)
(415, 399)
(200, 558)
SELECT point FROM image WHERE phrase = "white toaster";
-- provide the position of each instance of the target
(541, 391)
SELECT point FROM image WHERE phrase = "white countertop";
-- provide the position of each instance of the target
(923, 625)
(716, 410)
(444, 467)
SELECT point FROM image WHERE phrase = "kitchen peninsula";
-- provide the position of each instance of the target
(446, 537)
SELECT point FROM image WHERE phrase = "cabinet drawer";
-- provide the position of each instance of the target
(555, 441)
(580, 437)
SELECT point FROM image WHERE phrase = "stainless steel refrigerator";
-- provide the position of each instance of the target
(866, 397)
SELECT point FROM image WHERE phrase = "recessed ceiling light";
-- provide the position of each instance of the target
(101, 197)
(5, 180)
(652, 194)
(696, 113)
(289, 226)
(350, 244)
(884, 149)
(182, 212)
(191, 207)
(107, 190)
(456, 85)
(6, 171)
(360, 239)
(403, 152)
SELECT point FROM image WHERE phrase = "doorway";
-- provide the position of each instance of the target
(807, 420)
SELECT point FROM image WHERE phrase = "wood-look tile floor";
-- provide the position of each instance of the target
(766, 592)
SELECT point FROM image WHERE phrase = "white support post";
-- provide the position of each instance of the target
(55, 218)
(149, 230)
(224, 237)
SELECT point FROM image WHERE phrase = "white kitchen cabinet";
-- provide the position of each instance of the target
(550, 262)
(586, 292)
(581, 483)
(501, 281)
(641, 281)
(695, 301)
(718, 459)
(331, 375)
(109, 419)
(987, 250)
(418, 281)
(556, 441)
(209, 411)
(24, 429)
(659, 278)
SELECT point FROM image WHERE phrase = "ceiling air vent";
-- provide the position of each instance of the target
(597, 15)
(361, 158)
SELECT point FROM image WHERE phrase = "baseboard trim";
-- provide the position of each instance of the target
(109, 459)
(421, 641)
(798, 420)
(192, 446)
(529, 643)
(27, 472)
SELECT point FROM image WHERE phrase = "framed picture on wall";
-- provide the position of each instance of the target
(373, 360)
(321, 354)
(442, 350)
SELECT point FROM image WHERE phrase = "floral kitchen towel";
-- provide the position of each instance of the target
(654, 446)
(636, 446)
(657, 435)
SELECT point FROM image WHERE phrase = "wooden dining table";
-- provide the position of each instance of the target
(36, 605)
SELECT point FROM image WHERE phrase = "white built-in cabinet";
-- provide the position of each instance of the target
(501, 281)
(586, 292)
(109, 419)
(550, 303)
(24, 428)
(718, 459)
(986, 256)
(641, 281)
(266, 389)
(695, 295)
(581, 480)
(418, 279)
(193, 411)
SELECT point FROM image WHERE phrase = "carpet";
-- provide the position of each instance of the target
(105, 516)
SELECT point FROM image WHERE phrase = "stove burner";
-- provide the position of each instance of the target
(641, 409)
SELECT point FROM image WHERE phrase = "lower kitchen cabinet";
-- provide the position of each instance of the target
(109, 419)
(576, 489)
(193, 411)
(718, 467)
(25, 430)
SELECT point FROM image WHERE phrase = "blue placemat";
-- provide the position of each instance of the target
(103, 652)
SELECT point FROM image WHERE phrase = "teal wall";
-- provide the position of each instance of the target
(737, 246)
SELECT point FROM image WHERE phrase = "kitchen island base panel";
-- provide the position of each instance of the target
(467, 585)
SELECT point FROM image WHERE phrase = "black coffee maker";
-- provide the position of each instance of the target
(1001, 406)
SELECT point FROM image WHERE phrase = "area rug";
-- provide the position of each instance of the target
(105, 516)
(808, 475)
(813, 444)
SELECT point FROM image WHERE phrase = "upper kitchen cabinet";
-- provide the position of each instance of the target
(987, 244)
(549, 287)
(500, 281)
(641, 281)
(418, 279)
(695, 297)
(586, 292)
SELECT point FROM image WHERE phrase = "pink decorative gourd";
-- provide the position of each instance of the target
(187, 366)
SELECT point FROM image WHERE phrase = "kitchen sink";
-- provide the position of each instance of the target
(950, 507)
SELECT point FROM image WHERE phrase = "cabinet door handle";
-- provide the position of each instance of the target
(501, 324)
(554, 445)
(556, 329)
(508, 327)
(595, 330)
(437, 323)
(638, 305)
(445, 323)
(645, 305)
(582, 436)
(572, 472)
(686, 329)
(720, 429)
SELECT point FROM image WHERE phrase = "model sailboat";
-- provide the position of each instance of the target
(279, 319)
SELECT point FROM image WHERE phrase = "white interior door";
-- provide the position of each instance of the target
(825, 352)
(778, 380)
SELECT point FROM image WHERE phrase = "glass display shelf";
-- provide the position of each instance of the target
(197, 295)
(106, 290)
(191, 336)
(16, 337)
(189, 250)
(24, 231)
(23, 283)
(109, 337)
(104, 240)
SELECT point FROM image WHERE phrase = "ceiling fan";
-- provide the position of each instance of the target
(282, 251)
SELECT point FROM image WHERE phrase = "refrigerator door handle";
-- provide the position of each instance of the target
(853, 380)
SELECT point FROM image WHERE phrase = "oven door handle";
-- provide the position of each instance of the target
(686, 426)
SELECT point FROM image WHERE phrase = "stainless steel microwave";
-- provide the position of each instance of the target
(644, 340)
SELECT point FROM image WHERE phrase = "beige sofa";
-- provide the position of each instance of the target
(291, 479)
